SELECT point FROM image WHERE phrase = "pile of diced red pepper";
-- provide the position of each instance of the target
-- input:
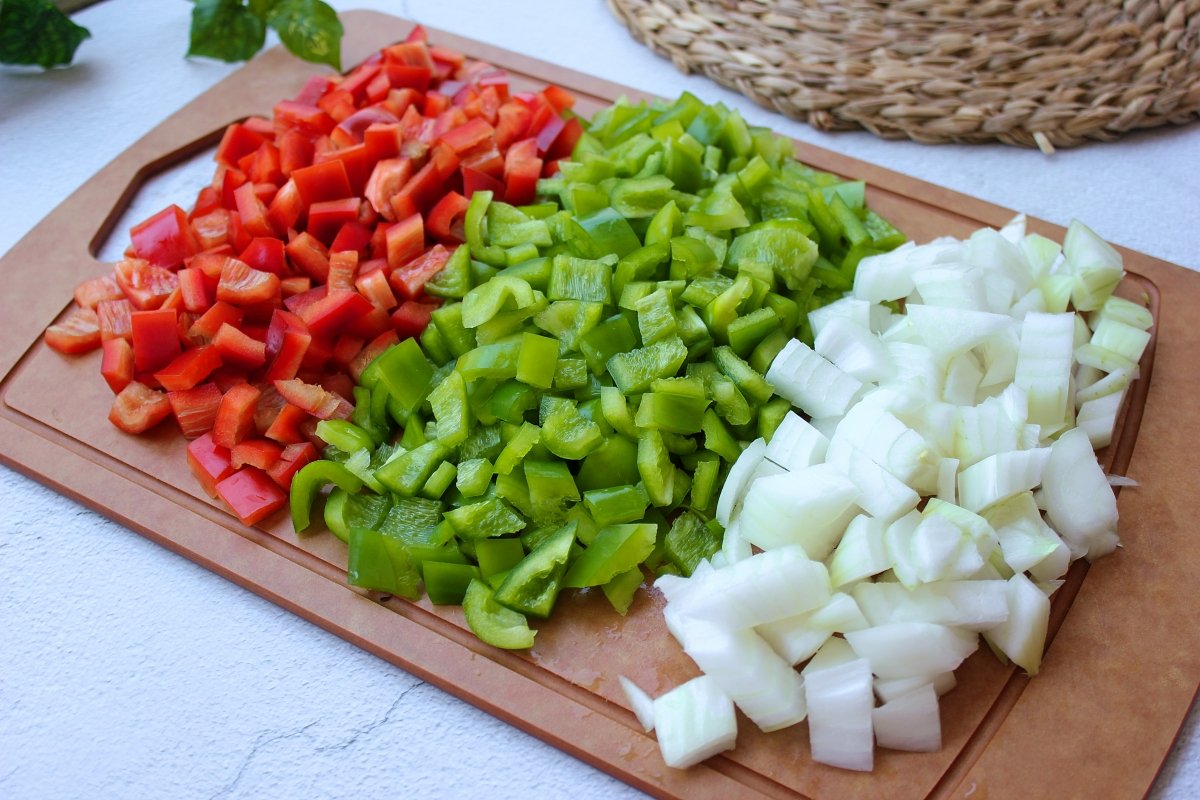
(249, 317)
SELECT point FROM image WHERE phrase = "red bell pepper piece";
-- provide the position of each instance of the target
(138, 408)
(164, 239)
(78, 332)
(209, 462)
(239, 349)
(235, 415)
(189, 368)
(291, 460)
(116, 363)
(251, 494)
(412, 277)
(155, 340)
(195, 409)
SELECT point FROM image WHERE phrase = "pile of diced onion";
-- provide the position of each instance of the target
(934, 488)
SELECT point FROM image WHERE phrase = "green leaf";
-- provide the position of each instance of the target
(35, 32)
(310, 29)
(225, 30)
(262, 8)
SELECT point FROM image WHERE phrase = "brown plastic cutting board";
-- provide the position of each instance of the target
(1117, 680)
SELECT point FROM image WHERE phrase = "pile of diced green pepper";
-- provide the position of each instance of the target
(569, 415)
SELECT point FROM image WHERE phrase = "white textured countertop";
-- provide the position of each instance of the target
(127, 671)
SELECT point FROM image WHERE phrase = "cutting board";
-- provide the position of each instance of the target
(1118, 678)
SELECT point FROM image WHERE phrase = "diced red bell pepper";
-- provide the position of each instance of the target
(195, 409)
(353, 237)
(78, 332)
(208, 200)
(114, 316)
(328, 216)
(405, 240)
(194, 291)
(343, 267)
(296, 284)
(206, 326)
(328, 316)
(298, 302)
(522, 168)
(89, 293)
(264, 167)
(164, 239)
(285, 429)
(286, 209)
(251, 494)
(138, 408)
(251, 211)
(291, 460)
(476, 181)
(387, 179)
(445, 220)
(211, 229)
(155, 339)
(295, 151)
(235, 415)
(293, 347)
(238, 141)
(309, 255)
(512, 123)
(209, 462)
(304, 117)
(373, 285)
(351, 130)
(372, 350)
(261, 453)
(344, 350)
(116, 363)
(266, 254)
(411, 278)
(564, 144)
(322, 181)
(244, 286)
(314, 399)
(371, 324)
(411, 318)
(239, 349)
(189, 368)
(146, 285)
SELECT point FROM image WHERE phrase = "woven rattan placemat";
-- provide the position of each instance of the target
(1033, 72)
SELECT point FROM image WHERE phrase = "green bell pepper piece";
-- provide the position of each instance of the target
(414, 521)
(771, 415)
(718, 439)
(568, 321)
(450, 408)
(344, 435)
(789, 253)
(654, 466)
(671, 412)
(690, 541)
(485, 519)
(613, 464)
(406, 373)
(345, 510)
(474, 223)
(492, 622)
(497, 361)
(570, 373)
(633, 371)
(381, 563)
(704, 481)
(637, 198)
(551, 488)
(532, 586)
(501, 293)
(613, 335)
(484, 441)
(616, 504)
(746, 332)
(621, 589)
(580, 279)
(750, 382)
(439, 481)
(454, 279)
(665, 225)
(536, 360)
(566, 433)
(474, 477)
(309, 480)
(691, 258)
(616, 549)
(446, 582)
(406, 475)
(512, 399)
(497, 556)
(517, 447)
(616, 411)
(656, 317)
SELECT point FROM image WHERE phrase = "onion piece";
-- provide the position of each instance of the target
(854, 349)
(949, 331)
(738, 479)
(850, 308)
(1000, 476)
(1079, 502)
(881, 494)
(1044, 364)
(810, 382)
(910, 722)
(693, 722)
(1096, 265)
(1022, 637)
(887, 691)
(767, 586)
(805, 507)
(640, 703)
(904, 649)
(1027, 543)
(971, 604)
(860, 553)
(796, 444)
(840, 702)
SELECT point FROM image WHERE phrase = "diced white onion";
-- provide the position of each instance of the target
(810, 382)
(802, 507)
(796, 444)
(904, 649)
(1079, 502)
(693, 722)
(910, 722)
(640, 702)
(737, 480)
(1022, 637)
(840, 702)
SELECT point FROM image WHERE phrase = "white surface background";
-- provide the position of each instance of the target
(127, 671)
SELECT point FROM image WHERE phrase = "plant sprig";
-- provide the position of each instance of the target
(35, 32)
